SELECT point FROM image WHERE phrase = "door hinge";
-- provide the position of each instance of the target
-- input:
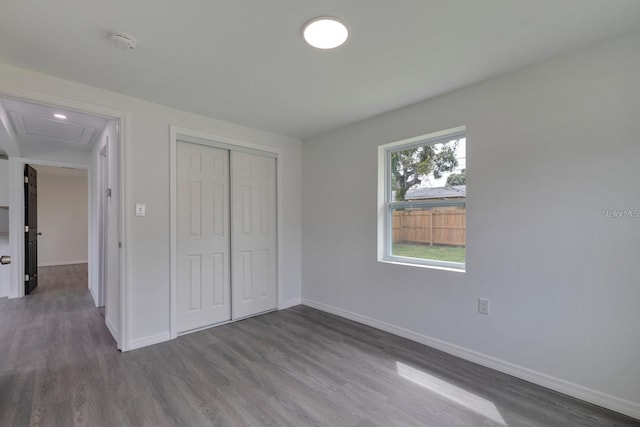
(108, 192)
(119, 245)
(26, 277)
(26, 228)
(26, 179)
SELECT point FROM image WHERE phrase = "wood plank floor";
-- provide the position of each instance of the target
(296, 367)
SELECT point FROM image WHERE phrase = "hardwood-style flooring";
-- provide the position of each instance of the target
(297, 367)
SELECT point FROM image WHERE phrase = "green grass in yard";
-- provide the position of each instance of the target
(440, 253)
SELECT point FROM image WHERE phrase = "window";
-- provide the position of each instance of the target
(422, 200)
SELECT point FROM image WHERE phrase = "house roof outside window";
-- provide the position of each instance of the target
(450, 192)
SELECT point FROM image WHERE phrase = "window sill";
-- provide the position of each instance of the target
(397, 261)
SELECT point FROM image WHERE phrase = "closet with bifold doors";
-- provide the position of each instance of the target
(226, 233)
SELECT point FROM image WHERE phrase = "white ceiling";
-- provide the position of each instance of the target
(244, 61)
(34, 126)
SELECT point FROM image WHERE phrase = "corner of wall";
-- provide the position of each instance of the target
(147, 341)
(289, 303)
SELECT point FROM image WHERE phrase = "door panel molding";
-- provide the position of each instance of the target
(253, 234)
(203, 267)
(31, 229)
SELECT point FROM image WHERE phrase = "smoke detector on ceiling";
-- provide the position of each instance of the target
(123, 41)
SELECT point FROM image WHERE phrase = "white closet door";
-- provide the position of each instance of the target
(203, 237)
(253, 233)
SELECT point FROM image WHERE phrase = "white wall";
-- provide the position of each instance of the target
(62, 219)
(549, 148)
(4, 186)
(4, 223)
(4, 269)
(108, 138)
(55, 154)
(147, 181)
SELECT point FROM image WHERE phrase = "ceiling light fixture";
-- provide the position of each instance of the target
(59, 116)
(325, 32)
(122, 41)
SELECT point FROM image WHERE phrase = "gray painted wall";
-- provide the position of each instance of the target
(549, 148)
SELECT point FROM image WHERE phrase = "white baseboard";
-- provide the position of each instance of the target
(166, 336)
(289, 303)
(54, 263)
(95, 299)
(147, 341)
(113, 331)
(614, 403)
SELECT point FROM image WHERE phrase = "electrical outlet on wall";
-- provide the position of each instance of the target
(141, 209)
(483, 306)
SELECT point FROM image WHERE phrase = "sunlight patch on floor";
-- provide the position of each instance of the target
(455, 394)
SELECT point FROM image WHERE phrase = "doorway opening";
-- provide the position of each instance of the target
(57, 212)
(67, 140)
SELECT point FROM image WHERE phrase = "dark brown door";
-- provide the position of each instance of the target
(30, 229)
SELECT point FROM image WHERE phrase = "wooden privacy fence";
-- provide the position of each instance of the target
(437, 226)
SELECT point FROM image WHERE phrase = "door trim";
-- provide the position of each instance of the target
(16, 219)
(188, 135)
(102, 177)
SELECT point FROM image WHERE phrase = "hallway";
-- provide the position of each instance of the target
(54, 345)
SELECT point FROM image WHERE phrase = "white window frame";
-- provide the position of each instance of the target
(386, 205)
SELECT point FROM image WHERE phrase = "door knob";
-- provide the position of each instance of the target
(5, 259)
(39, 234)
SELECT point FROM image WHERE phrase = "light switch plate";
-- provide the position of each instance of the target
(141, 209)
(483, 306)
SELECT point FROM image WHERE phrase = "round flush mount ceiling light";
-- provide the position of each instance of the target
(59, 116)
(122, 41)
(325, 32)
